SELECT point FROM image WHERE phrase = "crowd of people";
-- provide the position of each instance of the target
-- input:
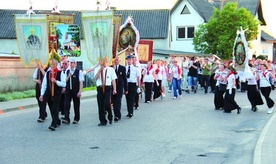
(57, 85)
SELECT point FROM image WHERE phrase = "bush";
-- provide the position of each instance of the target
(18, 95)
(29, 93)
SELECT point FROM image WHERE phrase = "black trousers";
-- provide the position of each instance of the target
(229, 101)
(69, 95)
(117, 103)
(266, 92)
(41, 105)
(254, 96)
(62, 103)
(132, 91)
(104, 106)
(213, 83)
(53, 103)
(205, 82)
(157, 89)
(218, 98)
(148, 89)
(136, 100)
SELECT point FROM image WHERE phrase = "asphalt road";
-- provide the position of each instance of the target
(186, 130)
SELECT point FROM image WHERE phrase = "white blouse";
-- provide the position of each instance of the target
(264, 79)
(230, 80)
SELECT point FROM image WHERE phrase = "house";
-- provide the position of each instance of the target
(186, 15)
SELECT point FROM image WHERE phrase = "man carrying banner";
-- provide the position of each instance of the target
(52, 85)
(105, 77)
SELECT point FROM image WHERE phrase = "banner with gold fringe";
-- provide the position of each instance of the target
(98, 34)
(31, 34)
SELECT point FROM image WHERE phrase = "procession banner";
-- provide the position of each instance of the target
(68, 40)
(116, 33)
(145, 48)
(98, 34)
(53, 21)
(31, 34)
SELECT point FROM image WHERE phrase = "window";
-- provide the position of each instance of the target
(185, 32)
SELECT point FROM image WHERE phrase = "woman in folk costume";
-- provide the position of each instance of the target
(148, 79)
(158, 81)
(229, 98)
(264, 76)
(219, 77)
(176, 74)
(253, 93)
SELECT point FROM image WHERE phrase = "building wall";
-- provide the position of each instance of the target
(178, 19)
(14, 76)
(9, 46)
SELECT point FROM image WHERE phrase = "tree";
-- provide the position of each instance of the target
(218, 35)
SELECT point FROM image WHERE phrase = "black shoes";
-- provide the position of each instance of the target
(40, 120)
(239, 110)
(110, 122)
(52, 128)
(254, 109)
(226, 111)
(116, 119)
(65, 122)
(129, 115)
(75, 122)
(100, 124)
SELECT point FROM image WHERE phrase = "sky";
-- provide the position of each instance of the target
(268, 9)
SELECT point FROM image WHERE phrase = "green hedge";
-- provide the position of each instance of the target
(17, 95)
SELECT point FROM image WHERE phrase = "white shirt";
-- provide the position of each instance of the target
(134, 73)
(148, 77)
(110, 75)
(264, 80)
(230, 80)
(159, 74)
(35, 74)
(61, 83)
(220, 74)
(174, 71)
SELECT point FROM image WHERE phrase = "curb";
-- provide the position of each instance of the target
(258, 147)
(2, 111)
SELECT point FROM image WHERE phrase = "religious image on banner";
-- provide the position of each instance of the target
(68, 40)
(98, 34)
(31, 34)
(145, 48)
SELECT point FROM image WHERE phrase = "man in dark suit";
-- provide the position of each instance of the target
(121, 86)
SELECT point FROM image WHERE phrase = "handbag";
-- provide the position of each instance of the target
(222, 87)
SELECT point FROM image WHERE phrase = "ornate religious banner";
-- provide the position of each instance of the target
(129, 36)
(145, 48)
(68, 40)
(98, 34)
(53, 21)
(240, 51)
(116, 33)
(31, 34)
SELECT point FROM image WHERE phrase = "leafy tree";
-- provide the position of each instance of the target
(218, 35)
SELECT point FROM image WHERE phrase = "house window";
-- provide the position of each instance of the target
(185, 32)
(185, 10)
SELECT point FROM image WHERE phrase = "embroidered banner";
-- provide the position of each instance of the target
(31, 34)
(98, 34)
(116, 33)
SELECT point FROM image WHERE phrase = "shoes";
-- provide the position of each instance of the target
(239, 110)
(136, 108)
(174, 97)
(110, 122)
(217, 108)
(52, 128)
(254, 109)
(75, 122)
(270, 110)
(163, 95)
(226, 111)
(188, 91)
(129, 115)
(116, 119)
(148, 102)
(180, 96)
(63, 118)
(101, 124)
(40, 120)
(65, 122)
(169, 91)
